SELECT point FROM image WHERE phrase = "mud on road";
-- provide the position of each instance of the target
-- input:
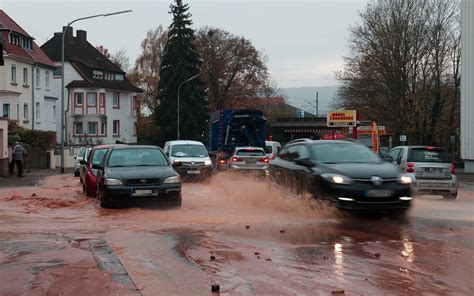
(247, 236)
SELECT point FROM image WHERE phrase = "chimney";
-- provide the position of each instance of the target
(68, 35)
(82, 36)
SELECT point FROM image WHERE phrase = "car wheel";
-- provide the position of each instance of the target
(450, 196)
(177, 202)
(84, 190)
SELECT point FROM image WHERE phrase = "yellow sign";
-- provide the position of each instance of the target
(342, 118)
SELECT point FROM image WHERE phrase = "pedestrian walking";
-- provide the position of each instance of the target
(17, 158)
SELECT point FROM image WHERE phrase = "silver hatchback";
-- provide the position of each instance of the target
(431, 169)
(249, 158)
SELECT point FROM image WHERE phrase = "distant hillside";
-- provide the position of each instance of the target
(299, 96)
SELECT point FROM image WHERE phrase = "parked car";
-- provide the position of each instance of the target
(249, 158)
(272, 148)
(192, 157)
(95, 157)
(78, 157)
(137, 174)
(83, 165)
(348, 174)
(431, 169)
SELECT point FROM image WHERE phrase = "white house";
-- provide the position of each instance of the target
(27, 95)
(101, 103)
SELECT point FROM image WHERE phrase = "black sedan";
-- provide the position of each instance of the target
(347, 174)
(136, 174)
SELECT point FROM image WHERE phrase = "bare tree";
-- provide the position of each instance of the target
(232, 68)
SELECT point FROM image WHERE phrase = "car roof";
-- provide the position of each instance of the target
(107, 146)
(184, 142)
(317, 142)
(272, 142)
(418, 146)
(248, 147)
(135, 146)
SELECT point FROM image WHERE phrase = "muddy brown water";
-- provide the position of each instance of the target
(265, 241)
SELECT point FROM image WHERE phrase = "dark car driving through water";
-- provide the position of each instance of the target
(348, 174)
(137, 174)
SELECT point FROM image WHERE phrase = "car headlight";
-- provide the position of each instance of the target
(404, 179)
(110, 181)
(337, 179)
(173, 180)
(207, 162)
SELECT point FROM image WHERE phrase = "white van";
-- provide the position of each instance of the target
(189, 158)
(272, 148)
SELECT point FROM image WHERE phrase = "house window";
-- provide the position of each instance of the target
(78, 128)
(25, 76)
(91, 99)
(37, 111)
(25, 112)
(78, 99)
(6, 111)
(103, 128)
(92, 128)
(116, 100)
(116, 129)
(119, 77)
(54, 113)
(96, 74)
(101, 100)
(37, 77)
(13, 73)
(109, 76)
(57, 71)
(47, 79)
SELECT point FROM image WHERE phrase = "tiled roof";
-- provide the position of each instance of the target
(34, 55)
(10, 24)
(85, 58)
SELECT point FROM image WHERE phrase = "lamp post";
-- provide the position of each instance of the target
(179, 88)
(62, 75)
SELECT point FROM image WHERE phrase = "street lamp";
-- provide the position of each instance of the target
(179, 88)
(62, 75)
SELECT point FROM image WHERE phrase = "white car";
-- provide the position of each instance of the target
(78, 157)
(249, 158)
(189, 158)
(272, 148)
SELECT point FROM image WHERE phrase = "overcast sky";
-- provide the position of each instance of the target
(304, 41)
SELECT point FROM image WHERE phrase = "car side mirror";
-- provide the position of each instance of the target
(388, 158)
(75, 156)
(97, 166)
(82, 161)
(305, 162)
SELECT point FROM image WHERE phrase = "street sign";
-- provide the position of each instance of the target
(403, 138)
(343, 118)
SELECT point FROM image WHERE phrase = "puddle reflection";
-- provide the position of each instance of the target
(339, 259)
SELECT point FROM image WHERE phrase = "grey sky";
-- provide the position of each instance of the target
(303, 40)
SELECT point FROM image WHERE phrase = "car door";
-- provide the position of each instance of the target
(394, 156)
(301, 173)
(277, 167)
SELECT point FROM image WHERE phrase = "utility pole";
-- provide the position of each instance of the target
(316, 105)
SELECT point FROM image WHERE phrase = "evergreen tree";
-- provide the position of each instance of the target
(180, 62)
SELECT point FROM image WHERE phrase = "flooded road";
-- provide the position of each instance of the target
(247, 236)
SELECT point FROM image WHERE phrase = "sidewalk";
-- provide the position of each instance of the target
(32, 178)
(464, 177)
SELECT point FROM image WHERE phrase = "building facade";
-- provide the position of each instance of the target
(26, 89)
(100, 102)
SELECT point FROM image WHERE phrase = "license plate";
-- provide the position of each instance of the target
(250, 161)
(196, 172)
(379, 193)
(145, 192)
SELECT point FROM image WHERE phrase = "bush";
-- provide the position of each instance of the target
(40, 139)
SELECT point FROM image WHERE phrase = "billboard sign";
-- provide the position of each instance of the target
(346, 118)
(367, 130)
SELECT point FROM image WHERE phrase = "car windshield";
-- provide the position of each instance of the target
(188, 150)
(137, 157)
(343, 153)
(268, 149)
(98, 156)
(250, 152)
(81, 152)
(429, 155)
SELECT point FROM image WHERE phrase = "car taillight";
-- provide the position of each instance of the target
(410, 167)
(265, 159)
(453, 168)
(235, 159)
(222, 161)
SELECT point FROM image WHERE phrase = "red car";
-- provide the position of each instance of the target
(95, 157)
